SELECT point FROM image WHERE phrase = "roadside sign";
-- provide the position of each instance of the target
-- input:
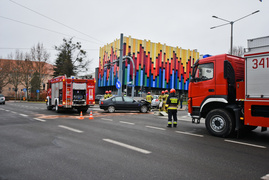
(24, 89)
(37, 91)
(118, 84)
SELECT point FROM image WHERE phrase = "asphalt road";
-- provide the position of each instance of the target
(39, 144)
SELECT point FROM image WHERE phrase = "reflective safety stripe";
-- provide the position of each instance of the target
(175, 122)
(169, 122)
(172, 108)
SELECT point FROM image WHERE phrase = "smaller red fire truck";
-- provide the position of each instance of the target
(70, 93)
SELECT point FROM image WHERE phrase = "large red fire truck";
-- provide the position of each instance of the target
(70, 93)
(232, 93)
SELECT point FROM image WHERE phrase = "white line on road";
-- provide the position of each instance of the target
(247, 144)
(266, 177)
(71, 129)
(1, 109)
(24, 115)
(152, 127)
(128, 146)
(13, 112)
(7, 110)
(42, 120)
(187, 133)
(127, 123)
(105, 119)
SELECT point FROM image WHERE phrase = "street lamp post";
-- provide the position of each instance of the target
(232, 23)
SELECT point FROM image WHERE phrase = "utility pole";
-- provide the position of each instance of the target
(120, 64)
(232, 23)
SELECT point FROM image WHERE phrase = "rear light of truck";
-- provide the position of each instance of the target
(102, 102)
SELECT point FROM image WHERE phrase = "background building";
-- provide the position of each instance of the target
(157, 66)
(18, 78)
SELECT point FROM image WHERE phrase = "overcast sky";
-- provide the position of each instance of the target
(94, 23)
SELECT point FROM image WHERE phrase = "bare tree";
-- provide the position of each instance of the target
(4, 72)
(40, 56)
(27, 73)
(15, 71)
(237, 51)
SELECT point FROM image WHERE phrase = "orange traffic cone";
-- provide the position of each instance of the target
(81, 116)
(91, 117)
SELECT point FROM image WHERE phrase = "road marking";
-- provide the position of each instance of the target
(107, 119)
(71, 129)
(247, 144)
(128, 146)
(187, 133)
(152, 127)
(13, 112)
(42, 120)
(7, 110)
(1, 109)
(24, 115)
(266, 177)
(127, 123)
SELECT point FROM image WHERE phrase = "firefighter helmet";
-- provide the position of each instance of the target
(109, 91)
(162, 92)
(172, 91)
(106, 92)
(148, 92)
(166, 91)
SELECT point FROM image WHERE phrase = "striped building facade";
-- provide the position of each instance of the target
(156, 65)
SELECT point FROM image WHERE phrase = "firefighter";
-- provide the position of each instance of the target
(161, 99)
(149, 97)
(165, 99)
(106, 95)
(172, 102)
(109, 94)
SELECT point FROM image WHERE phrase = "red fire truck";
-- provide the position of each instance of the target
(70, 93)
(230, 92)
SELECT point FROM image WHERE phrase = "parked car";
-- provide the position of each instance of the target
(155, 101)
(124, 103)
(2, 99)
(98, 98)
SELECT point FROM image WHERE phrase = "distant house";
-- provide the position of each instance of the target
(16, 77)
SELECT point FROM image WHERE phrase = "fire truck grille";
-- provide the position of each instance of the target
(79, 102)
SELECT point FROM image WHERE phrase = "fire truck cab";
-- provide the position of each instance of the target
(70, 93)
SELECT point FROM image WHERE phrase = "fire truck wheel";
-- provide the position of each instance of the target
(220, 122)
(57, 108)
(48, 107)
(111, 109)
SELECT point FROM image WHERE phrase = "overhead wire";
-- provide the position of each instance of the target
(55, 20)
(46, 29)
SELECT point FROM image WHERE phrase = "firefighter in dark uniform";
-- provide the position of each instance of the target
(172, 102)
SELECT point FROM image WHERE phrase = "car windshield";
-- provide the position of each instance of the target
(1, 95)
(155, 97)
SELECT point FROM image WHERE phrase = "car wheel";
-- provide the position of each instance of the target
(144, 109)
(220, 122)
(111, 109)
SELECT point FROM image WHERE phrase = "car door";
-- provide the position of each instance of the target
(204, 83)
(118, 102)
(130, 103)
